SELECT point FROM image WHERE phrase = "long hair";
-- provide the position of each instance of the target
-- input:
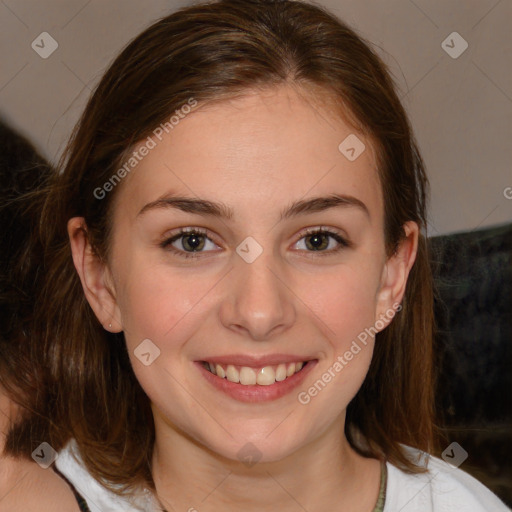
(211, 52)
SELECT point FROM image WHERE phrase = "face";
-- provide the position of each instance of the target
(294, 271)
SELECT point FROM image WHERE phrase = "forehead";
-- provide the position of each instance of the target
(255, 153)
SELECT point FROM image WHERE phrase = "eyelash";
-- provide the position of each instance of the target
(167, 244)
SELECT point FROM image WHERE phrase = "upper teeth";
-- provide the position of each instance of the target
(249, 376)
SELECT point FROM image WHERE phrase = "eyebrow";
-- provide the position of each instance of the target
(216, 209)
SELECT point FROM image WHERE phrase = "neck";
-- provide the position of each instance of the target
(324, 473)
(8, 410)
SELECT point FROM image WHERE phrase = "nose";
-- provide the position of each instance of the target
(259, 302)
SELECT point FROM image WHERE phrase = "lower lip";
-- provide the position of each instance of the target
(257, 393)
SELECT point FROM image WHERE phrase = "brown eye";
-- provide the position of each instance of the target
(187, 242)
(323, 241)
(192, 241)
(317, 242)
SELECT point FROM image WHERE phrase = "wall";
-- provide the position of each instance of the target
(461, 108)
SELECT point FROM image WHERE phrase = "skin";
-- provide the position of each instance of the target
(256, 154)
(24, 485)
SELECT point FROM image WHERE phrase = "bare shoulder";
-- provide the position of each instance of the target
(26, 487)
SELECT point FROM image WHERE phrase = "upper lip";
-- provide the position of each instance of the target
(256, 361)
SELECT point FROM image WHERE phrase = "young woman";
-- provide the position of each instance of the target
(238, 305)
(25, 407)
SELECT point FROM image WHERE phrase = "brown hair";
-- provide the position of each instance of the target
(211, 52)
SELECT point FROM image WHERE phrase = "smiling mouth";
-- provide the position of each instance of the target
(248, 376)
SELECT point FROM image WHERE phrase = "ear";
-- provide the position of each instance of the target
(95, 276)
(394, 275)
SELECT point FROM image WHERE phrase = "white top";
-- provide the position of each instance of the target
(444, 488)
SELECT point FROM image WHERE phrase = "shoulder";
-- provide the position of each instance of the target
(97, 497)
(26, 487)
(443, 488)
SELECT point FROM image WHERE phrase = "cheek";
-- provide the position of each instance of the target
(343, 299)
(162, 306)
(158, 303)
(346, 307)
(344, 303)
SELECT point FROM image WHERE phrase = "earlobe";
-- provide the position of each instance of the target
(396, 272)
(94, 276)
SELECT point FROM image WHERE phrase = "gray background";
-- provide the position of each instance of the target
(460, 108)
